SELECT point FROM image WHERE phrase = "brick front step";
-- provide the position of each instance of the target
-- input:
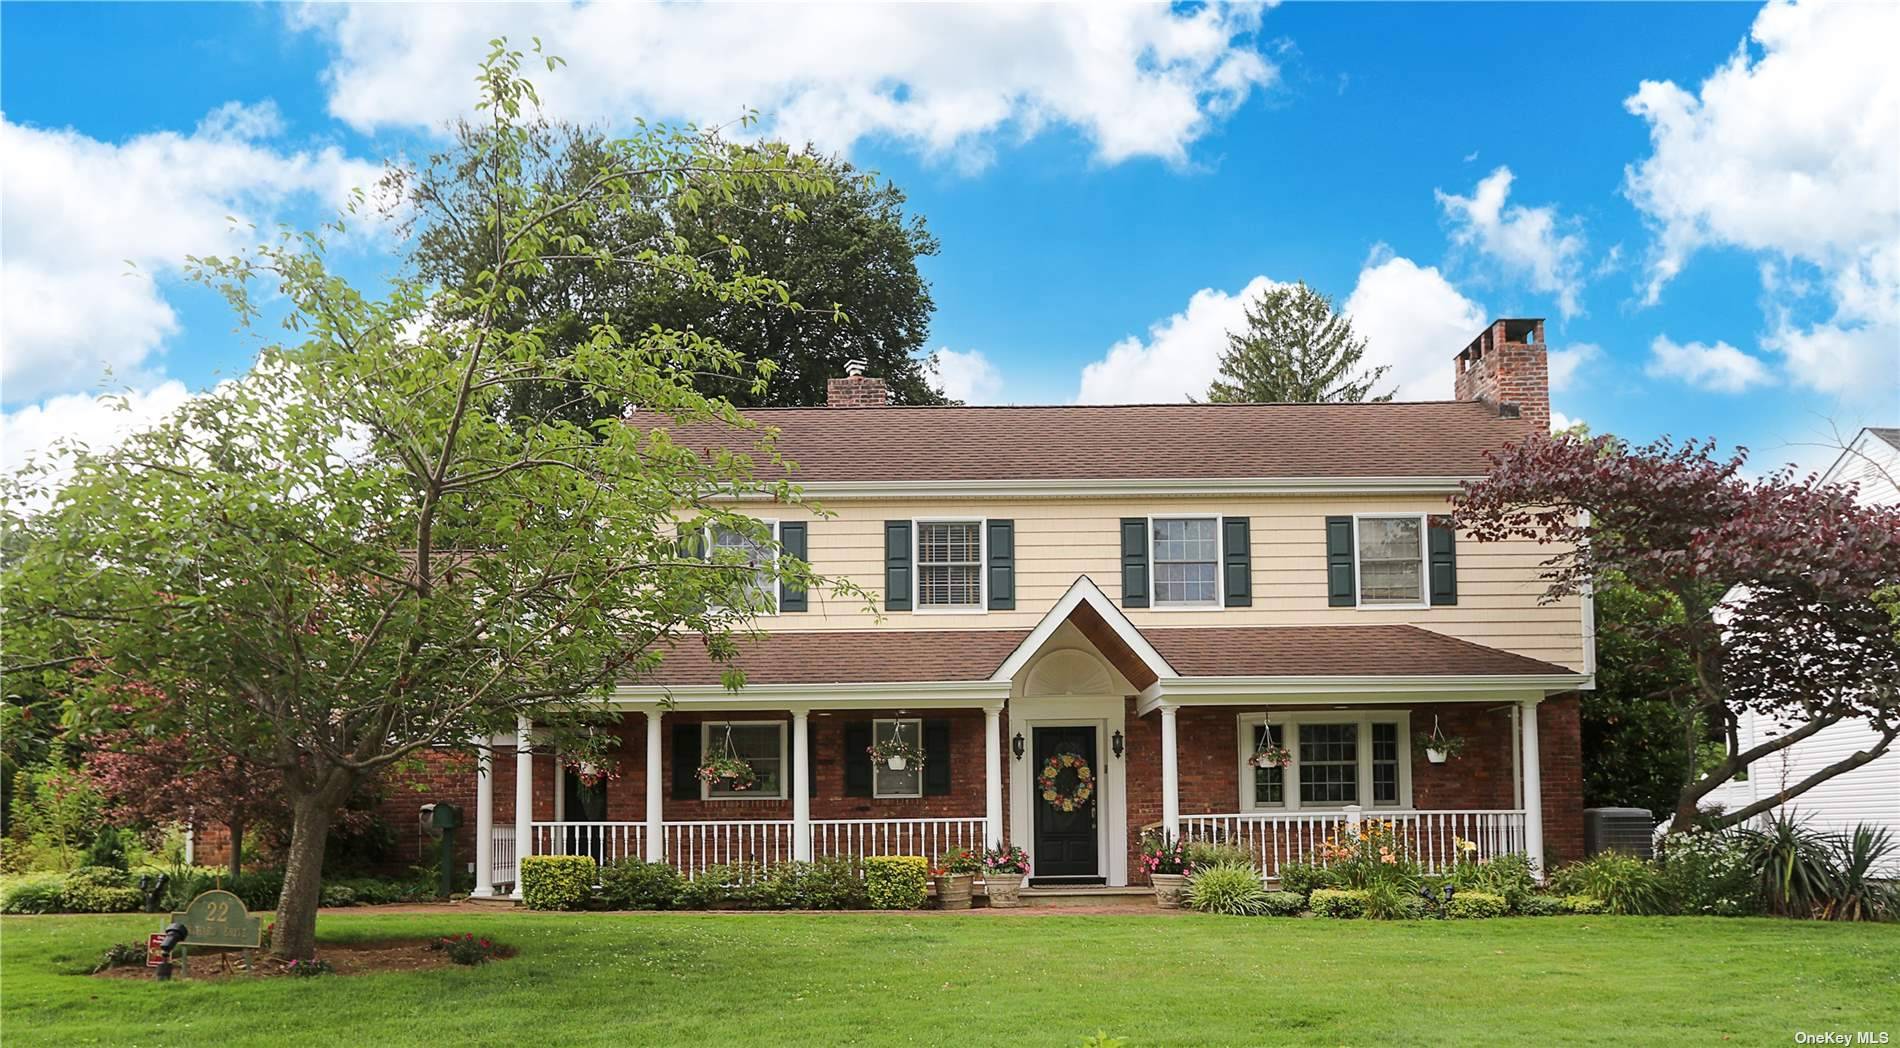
(1089, 897)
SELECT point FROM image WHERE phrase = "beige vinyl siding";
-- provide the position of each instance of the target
(1059, 539)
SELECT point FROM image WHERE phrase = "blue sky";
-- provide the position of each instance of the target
(1709, 219)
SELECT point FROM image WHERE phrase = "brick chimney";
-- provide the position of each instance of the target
(855, 390)
(1507, 367)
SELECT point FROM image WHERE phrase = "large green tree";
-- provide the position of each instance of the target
(353, 552)
(847, 261)
(1295, 349)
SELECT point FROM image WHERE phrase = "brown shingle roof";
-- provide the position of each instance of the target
(910, 656)
(1136, 441)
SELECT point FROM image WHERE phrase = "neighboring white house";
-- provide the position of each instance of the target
(1870, 793)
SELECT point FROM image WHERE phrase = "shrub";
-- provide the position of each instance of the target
(1508, 875)
(121, 955)
(1856, 894)
(1228, 888)
(1476, 904)
(827, 884)
(336, 895)
(1790, 865)
(1707, 873)
(258, 888)
(719, 885)
(1282, 904)
(1625, 883)
(305, 969)
(1302, 878)
(1389, 902)
(556, 882)
(631, 884)
(1338, 902)
(468, 948)
(1583, 904)
(1203, 854)
(107, 849)
(382, 891)
(34, 893)
(98, 889)
(1538, 906)
(895, 882)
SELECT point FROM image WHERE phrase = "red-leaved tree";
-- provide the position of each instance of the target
(154, 781)
(1787, 586)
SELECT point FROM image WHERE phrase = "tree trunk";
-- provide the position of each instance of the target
(236, 829)
(295, 936)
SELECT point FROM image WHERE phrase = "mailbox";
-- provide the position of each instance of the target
(441, 821)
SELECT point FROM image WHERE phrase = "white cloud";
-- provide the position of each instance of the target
(74, 211)
(1134, 79)
(1720, 368)
(968, 376)
(83, 419)
(1560, 421)
(1414, 320)
(1525, 242)
(1565, 363)
(1181, 356)
(1791, 150)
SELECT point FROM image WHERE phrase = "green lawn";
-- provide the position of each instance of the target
(725, 979)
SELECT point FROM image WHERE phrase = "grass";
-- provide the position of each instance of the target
(977, 979)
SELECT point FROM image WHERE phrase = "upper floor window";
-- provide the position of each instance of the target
(950, 564)
(755, 549)
(1187, 561)
(1392, 560)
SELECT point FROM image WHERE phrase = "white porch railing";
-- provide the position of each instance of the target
(605, 841)
(1276, 838)
(693, 846)
(930, 838)
(501, 855)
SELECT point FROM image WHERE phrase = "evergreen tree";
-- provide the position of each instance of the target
(1295, 349)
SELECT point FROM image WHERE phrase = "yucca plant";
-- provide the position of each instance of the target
(1857, 894)
(1791, 866)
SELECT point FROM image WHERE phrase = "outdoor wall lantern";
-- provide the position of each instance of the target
(1116, 741)
(1016, 745)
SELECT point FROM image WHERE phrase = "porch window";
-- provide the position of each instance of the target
(1269, 784)
(1329, 763)
(754, 549)
(950, 564)
(1186, 561)
(760, 744)
(886, 782)
(1391, 561)
(1338, 758)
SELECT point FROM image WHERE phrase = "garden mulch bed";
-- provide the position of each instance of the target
(348, 958)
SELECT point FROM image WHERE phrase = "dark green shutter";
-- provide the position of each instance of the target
(1339, 572)
(1002, 543)
(857, 759)
(686, 762)
(1442, 543)
(1236, 562)
(1134, 562)
(936, 757)
(693, 544)
(791, 540)
(897, 556)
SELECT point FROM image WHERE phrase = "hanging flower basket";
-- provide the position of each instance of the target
(1272, 755)
(728, 772)
(1438, 746)
(896, 753)
(591, 773)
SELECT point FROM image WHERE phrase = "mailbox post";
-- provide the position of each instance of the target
(443, 821)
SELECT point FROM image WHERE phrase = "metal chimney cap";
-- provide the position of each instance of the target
(854, 368)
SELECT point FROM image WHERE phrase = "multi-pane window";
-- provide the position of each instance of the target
(762, 745)
(1329, 763)
(949, 564)
(1385, 763)
(1391, 560)
(887, 781)
(1269, 784)
(756, 592)
(1186, 560)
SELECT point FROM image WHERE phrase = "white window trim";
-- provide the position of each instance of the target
(784, 759)
(982, 605)
(1424, 562)
(1247, 722)
(875, 792)
(772, 524)
(1220, 562)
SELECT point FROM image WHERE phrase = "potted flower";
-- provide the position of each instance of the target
(1438, 746)
(592, 773)
(1271, 755)
(896, 753)
(955, 875)
(728, 772)
(1166, 860)
(1003, 869)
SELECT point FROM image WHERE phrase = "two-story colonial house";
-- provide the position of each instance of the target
(1153, 593)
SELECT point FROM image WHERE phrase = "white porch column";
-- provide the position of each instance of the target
(801, 785)
(485, 821)
(993, 775)
(656, 797)
(1533, 786)
(1170, 775)
(524, 798)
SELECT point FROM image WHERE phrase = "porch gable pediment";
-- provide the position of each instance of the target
(1097, 618)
